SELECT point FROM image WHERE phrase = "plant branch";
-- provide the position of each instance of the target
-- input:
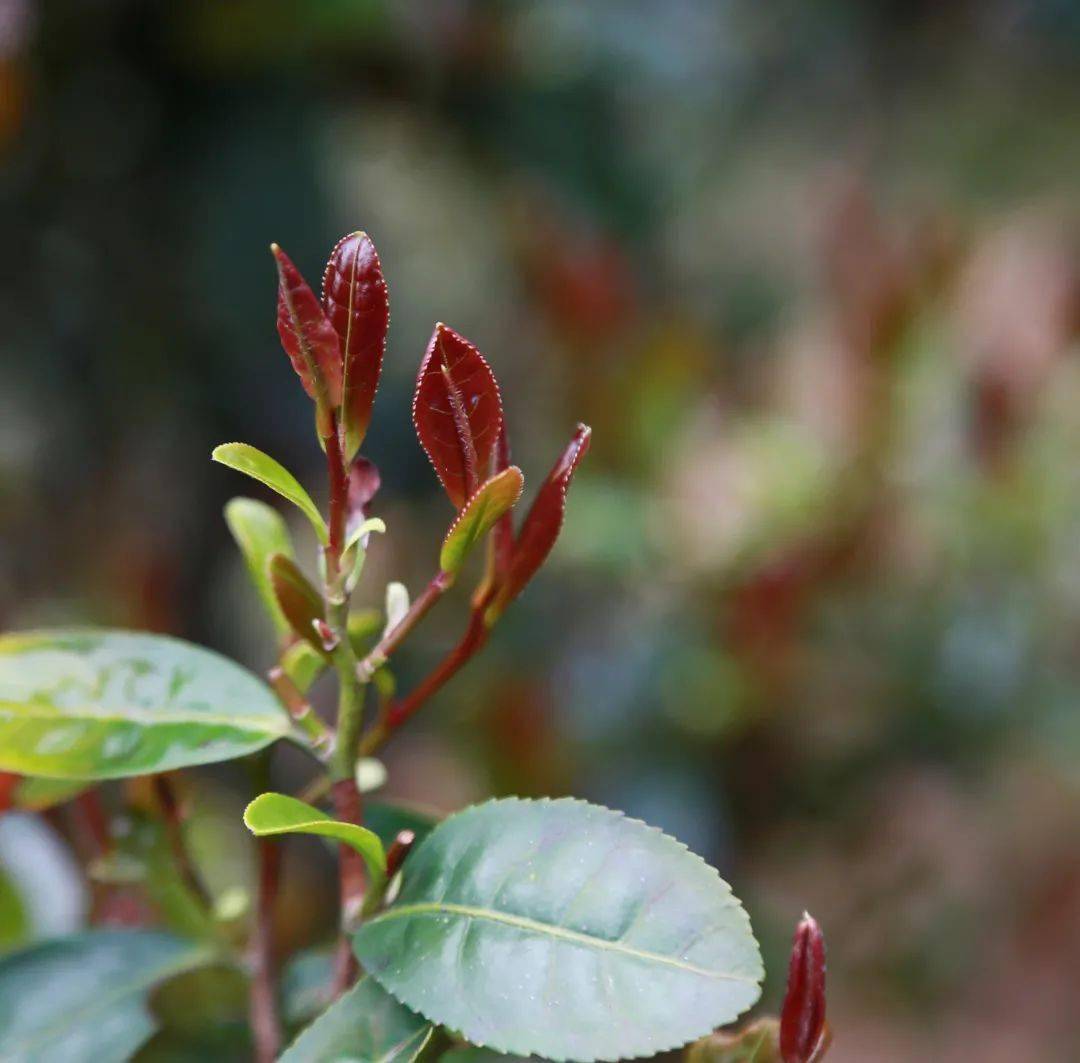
(474, 639)
(172, 816)
(299, 708)
(440, 583)
(263, 1006)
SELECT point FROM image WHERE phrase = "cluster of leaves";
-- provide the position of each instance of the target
(550, 928)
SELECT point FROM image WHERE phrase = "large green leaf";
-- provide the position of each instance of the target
(280, 814)
(251, 461)
(86, 704)
(366, 1025)
(260, 532)
(83, 998)
(565, 930)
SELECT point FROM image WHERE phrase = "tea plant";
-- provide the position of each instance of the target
(548, 928)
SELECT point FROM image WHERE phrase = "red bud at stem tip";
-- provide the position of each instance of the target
(802, 1020)
(395, 857)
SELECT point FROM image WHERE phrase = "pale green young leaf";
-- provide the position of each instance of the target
(272, 813)
(564, 930)
(260, 532)
(259, 466)
(303, 665)
(490, 501)
(366, 1025)
(90, 704)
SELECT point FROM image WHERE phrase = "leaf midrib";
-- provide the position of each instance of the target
(522, 922)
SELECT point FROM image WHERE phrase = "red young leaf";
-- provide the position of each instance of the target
(802, 1019)
(307, 336)
(298, 599)
(457, 412)
(503, 532)
(355, 300)
(544, 522)
(364, 483)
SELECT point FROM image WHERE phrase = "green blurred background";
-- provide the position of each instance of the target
(812, 273)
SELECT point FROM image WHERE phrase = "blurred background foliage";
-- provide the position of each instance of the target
(811, 271)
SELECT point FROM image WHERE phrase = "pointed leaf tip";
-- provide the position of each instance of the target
(802, 1019)
(457, 411)
(488, 504)
(544, 522)
(307, 335)
(356, 302)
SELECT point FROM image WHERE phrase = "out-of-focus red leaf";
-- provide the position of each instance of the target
(307, 335)
(364, 484)
(457, 412)
(355, 299)
(543, 524)
(802, 1020)
(301, 604)
(8, 782)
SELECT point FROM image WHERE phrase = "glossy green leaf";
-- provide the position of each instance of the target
(83, 999)
(259, 466)
(366, 1025)
(303, 665)
(565, 930)
(260, 532)
(280, 814)
(757, 1043)
(472, 1054)
(88, 704)
(491, 500)
(300, 603)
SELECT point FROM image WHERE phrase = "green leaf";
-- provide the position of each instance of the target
(260, 532)
(303, 665)
(259, 466)
(757, 1043)
(300, 603)
(280, 814)
(83, 999)
(566, 930)
(472, 1054)
(356, 550)
(87, 704)
(37, 794)
(490, 501)
(366, 1025)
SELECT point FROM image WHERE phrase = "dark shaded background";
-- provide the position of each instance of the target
(811, 272)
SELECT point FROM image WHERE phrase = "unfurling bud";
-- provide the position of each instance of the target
(802, 1020)
(401, 848)
(326, 634)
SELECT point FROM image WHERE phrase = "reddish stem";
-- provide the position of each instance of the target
(353, 877)
(173, 820)
(263, 1007)
(476, 635)
(339, 498)
(96, 822)
(440, 583)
